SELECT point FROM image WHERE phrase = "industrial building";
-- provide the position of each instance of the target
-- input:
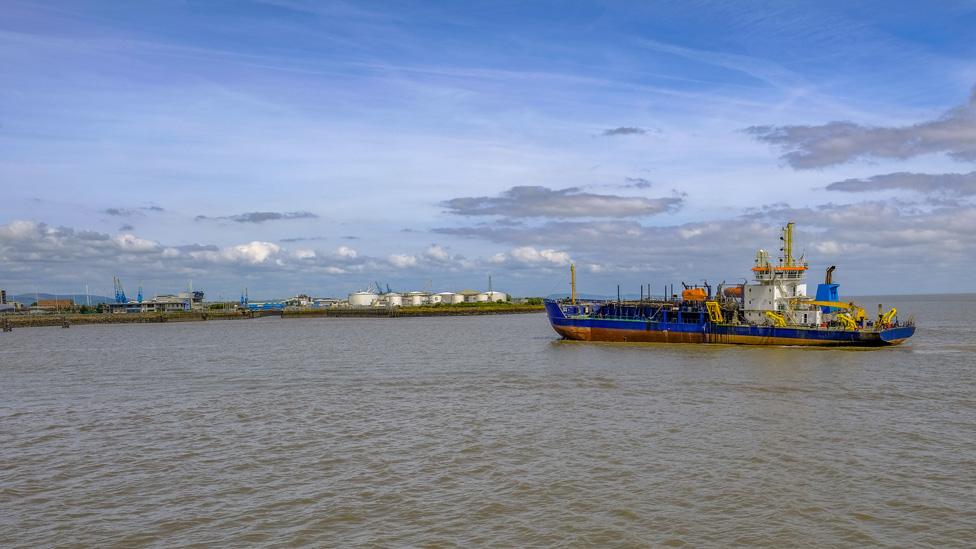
(56, 305)
(159, 304)
(183, 301)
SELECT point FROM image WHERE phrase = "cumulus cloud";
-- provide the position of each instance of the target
(623, 130)
(862, 236)
(437, 253)
(34, 253)
(260, 217)
(833, 143)
(346, 251)
(403, 261)
(538, 201)
(37, 254)
(530, 255)
(132, 243)
(954, 184)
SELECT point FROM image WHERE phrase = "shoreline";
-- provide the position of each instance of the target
(55, 320)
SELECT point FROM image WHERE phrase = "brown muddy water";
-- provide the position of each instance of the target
(482, 431)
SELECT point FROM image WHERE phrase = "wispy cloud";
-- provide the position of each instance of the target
(623, 130)
(839, 142)
(260, 217)
(131, 212)
(637, 183)
(957, 184)
(301, 239)
(538, 201)
(756, 67)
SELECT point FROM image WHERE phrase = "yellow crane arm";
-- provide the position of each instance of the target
(778, 319)
(858, 311)
(848, 321)
(837, 304)
(889, 316)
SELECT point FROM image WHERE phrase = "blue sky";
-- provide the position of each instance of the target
(292, 146)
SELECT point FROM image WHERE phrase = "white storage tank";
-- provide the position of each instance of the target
(447, 297)
(362, 299)
(415, 299)
(492, 296)
(394, 300)
(435, 298)
(456, 298)
(468, 296)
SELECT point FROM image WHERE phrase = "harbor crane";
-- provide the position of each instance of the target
(119, 292)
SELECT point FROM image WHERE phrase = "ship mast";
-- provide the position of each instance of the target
(787, 248)
(572, 281)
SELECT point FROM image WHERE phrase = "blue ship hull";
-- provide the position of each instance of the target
(696, 328)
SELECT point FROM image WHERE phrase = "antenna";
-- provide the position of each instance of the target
(572, 281)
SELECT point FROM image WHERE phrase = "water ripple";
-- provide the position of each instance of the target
(475, 431)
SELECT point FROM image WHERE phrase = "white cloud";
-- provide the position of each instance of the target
(542, 202)
(133, 243)
(254, 252)
(403, 261)
(528, 254)
(345, 251)
(437, 252)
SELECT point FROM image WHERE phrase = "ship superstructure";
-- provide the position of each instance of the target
(773, 309)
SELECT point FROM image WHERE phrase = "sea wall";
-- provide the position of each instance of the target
(24, 321)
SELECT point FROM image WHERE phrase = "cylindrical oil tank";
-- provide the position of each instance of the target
(733, 291)
(492, 296)
(415, 299)
(456, 298)
(362, 299)
(394, 300)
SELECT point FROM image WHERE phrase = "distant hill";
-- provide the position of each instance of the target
(591, 297)
(597, 297)
(79, 299)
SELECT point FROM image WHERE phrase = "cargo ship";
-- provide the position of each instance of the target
(773, 309)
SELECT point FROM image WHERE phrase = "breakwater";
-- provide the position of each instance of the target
(64, 320)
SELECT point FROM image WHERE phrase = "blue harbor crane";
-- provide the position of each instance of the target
(119, 292)
(139, 295)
